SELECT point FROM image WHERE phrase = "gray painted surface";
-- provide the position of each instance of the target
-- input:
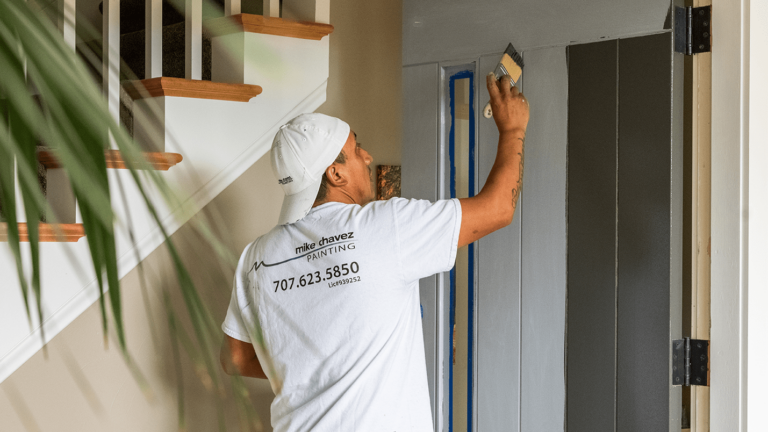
(419, 180)
(497, 300)
(644, 234)
(439, 30)
(633, 325)
(544, 242)
(592, 147)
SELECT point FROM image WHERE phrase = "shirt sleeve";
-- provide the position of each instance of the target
(234, 325)
(427, 236)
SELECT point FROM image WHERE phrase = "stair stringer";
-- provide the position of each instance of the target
(68, 279)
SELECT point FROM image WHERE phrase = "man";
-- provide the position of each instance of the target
(326, 305)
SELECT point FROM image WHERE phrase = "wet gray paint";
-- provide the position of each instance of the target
(643, 308)
(439, 30)
(625, 234)
(592, 147)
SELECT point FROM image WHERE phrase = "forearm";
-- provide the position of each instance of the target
(505, 180)
(239, 358)
(494, 207)
(248, 368)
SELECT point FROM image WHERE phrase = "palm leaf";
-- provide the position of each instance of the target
(73, 117)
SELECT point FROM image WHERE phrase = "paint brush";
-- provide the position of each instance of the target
(511, 64)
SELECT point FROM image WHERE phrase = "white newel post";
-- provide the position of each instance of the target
(193, 43)
(153, 39)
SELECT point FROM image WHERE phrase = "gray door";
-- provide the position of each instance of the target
(563, 320)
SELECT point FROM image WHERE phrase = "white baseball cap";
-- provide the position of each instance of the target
(301, 151)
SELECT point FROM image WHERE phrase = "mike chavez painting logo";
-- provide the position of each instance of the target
(324, 247)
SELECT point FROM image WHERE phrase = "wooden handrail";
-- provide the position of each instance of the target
(200, 89)
(273, 26)
(48, 232)
(115, 160)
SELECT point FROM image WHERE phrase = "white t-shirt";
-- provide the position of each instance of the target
(331, 305)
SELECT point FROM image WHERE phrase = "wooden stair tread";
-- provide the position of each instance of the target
(249, 23)
(48, 232)
(200, 89)
(158, 160)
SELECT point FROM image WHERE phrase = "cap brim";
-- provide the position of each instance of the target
(297, 206)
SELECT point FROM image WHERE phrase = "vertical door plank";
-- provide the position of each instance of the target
(644, 234)
(497, 300)
(592, 148)
(544, 242)
(420, 152)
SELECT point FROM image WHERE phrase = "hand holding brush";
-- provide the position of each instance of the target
(511, 65)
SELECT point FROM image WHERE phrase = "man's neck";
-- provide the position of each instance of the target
(340, 196)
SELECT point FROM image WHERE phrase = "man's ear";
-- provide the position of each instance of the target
(336, 175)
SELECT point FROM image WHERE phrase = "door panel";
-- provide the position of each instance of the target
(420, 152)
(625, 234)
(497, 382)
(544, 241)
(592, 190)
(644, 234)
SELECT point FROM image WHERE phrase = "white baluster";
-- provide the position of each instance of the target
(232, 7)
(67, 22)
(193, 39)
(21, 215)
(271, 9)
(111, 51)
(323, 11)
(153, 39)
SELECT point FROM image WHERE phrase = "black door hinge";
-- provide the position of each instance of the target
(690, 362)
(693, 29)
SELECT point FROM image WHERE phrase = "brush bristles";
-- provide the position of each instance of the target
(512, 52)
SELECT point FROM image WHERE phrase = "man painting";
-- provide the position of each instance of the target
(326, 305)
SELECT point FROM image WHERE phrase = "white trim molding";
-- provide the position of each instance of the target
(739, 215)
(757, 247)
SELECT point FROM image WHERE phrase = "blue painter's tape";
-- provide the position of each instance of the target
(471, 252)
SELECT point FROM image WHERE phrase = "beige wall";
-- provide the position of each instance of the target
(82, 387)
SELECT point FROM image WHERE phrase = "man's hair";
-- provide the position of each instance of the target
(323, 191)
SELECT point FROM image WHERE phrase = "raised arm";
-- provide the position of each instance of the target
(494, 207)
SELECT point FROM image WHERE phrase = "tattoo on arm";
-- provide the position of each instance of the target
(519, 186)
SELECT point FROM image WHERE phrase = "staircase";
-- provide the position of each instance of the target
(264, 70)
